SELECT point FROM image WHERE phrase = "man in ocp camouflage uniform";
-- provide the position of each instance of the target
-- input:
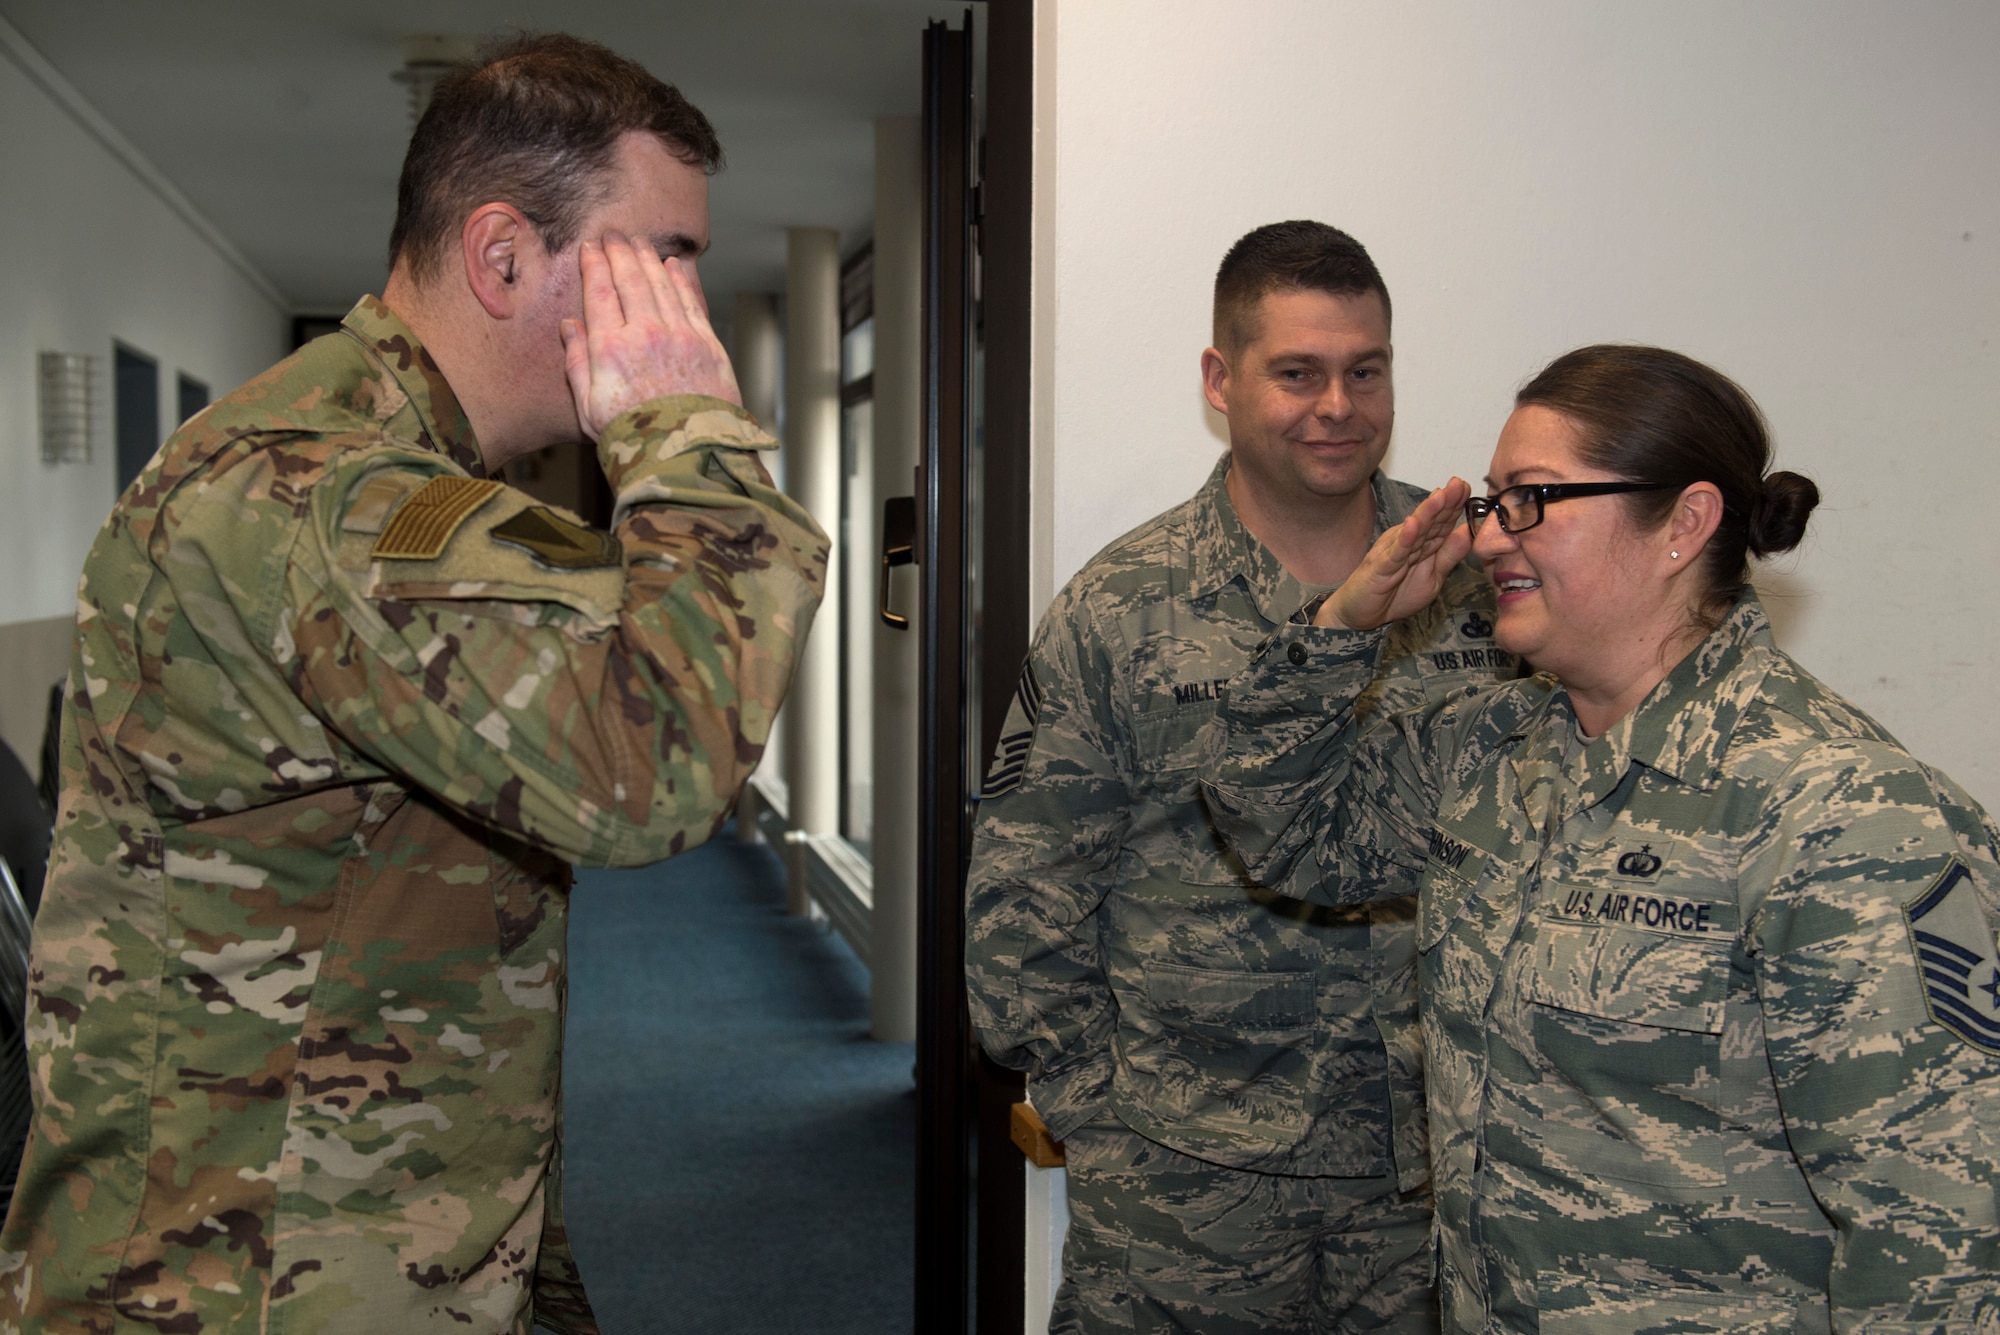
(342, 709)
(1237, 1080)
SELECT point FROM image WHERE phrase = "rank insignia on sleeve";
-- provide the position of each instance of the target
(425, 521)
(1010, 759)
(555, 541)
(1957, 958)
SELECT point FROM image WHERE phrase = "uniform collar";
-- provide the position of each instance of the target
(1683, 729)
(1224, 550)
(440, 424)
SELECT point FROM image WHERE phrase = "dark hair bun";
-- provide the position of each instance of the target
(1778, 518)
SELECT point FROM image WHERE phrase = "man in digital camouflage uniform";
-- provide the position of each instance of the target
(1237, 1080)
(342, 709)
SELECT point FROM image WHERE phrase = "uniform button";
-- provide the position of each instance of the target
(1297, 653)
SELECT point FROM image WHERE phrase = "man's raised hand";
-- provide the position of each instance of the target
(644, 334)
(1407, 565)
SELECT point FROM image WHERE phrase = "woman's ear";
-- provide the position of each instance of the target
(1693, 522)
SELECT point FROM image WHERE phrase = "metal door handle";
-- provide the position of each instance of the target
(899, 548)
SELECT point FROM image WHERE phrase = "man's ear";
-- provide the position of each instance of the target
(494, 242)
(1215, 380)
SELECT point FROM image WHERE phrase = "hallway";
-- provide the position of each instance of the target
(740, 1153)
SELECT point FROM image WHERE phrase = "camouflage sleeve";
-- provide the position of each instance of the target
(1870, 899)
(603, 696)
(1319, 803)
(1052, 822)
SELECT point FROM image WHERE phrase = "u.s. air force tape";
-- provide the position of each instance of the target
(1957, 958)
(425, 521)
(1010, 757)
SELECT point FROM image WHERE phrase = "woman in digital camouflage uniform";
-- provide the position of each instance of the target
(1710, 987)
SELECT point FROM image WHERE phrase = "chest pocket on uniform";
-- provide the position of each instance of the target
(1447, 671)
(1225, 1050)
(1169, 742)
(1449, 655)
(1631, 975)
(1630, 1022)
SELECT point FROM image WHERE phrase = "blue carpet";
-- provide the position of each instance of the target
(740, 1153)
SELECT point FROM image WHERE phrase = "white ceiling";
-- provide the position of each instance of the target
(280, 120)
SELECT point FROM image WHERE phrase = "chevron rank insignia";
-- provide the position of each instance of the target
(559, 542)
(1957, 958)
(425, 521)
(1010, 758)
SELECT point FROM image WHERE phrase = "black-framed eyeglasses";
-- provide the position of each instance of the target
(1520, 508)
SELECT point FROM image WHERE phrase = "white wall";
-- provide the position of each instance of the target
(1803, 193)
(95, 250)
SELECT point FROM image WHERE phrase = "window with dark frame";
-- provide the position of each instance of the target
(135, 410)
(191, 395)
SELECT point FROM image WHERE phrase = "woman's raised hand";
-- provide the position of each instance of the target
(1407, 565)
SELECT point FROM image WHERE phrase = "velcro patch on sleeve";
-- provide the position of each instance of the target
(374, 501)
(559, 542)
(1957, 958)
(423, 524)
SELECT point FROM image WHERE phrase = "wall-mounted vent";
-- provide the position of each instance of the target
(68, 398)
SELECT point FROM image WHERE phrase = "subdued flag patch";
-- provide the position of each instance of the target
(556, 541)
(424, 523)
(1010, 757)
(1957, 958)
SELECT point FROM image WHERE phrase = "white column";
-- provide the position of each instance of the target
(898, 349)
(812, 476)
(755, 350)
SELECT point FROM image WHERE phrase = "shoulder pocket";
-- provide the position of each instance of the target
(487, 561)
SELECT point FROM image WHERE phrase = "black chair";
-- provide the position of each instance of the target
(15, 927)
(25, 827)
(50, 785)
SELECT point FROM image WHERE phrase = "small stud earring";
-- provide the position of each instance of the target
(1675, 555)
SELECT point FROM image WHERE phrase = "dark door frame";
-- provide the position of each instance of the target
(944, 817)
(972, 525)
(1006, 222)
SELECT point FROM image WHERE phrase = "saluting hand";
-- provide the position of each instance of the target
(1407, 565)
(644, 334)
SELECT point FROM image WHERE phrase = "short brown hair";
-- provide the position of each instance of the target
(1653, 415)
(1296, 256)
(534, 122)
